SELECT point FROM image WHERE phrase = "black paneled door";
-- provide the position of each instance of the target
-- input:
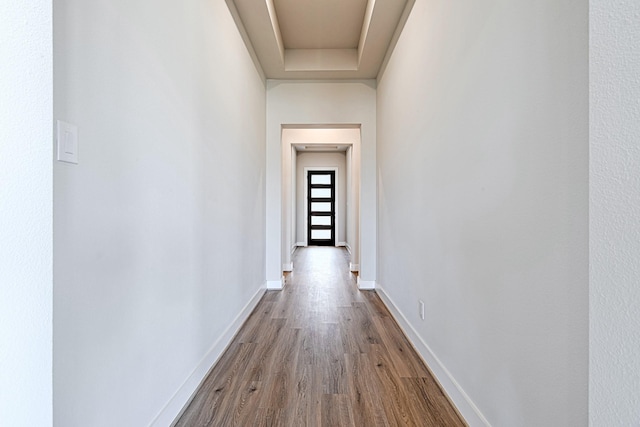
(321, 208)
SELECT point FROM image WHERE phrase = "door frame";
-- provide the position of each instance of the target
(306, 198)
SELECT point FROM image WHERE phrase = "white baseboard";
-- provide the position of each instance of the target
(275, 285)
(342, 244)
(449, 385)
(301, 244)
(366, 285)
(287, 266)
(354, 267)
(178, 403)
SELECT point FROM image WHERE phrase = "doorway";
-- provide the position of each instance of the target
(320, 148)
(321, 208)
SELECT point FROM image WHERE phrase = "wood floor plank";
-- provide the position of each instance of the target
(336, 410)
(366, 399)
(396, 403)
(320, 353)
(307, 401)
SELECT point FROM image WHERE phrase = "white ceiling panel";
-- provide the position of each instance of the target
(320, 24)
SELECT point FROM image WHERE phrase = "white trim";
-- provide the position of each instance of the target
(181, 399)
(287, 267)
(275, 285)
(468, 410)
(306, 197)
(354, 267)
(366, 285)
(348, 246)
(301, 244)
(341, 244)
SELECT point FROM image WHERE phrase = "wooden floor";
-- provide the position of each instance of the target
(320, 353)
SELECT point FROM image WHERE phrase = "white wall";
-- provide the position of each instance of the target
(614, 209)
(314, 160)
(483, 198)
(159, 230)
(324, 104)
(26, 180)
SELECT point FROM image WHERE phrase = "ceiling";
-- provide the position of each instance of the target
(320, 39)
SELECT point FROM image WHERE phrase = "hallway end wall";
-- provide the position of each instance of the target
(483, 203)
(326, 104)
(159, 230)
(297, 138)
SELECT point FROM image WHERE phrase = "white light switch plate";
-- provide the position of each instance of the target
(67, 137)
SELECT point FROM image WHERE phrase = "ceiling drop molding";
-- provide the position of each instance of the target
(321, 60)
(365, 28)
(275, 27)
(311, 40)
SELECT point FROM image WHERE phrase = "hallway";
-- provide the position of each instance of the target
(320, 353)
(144, 163)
